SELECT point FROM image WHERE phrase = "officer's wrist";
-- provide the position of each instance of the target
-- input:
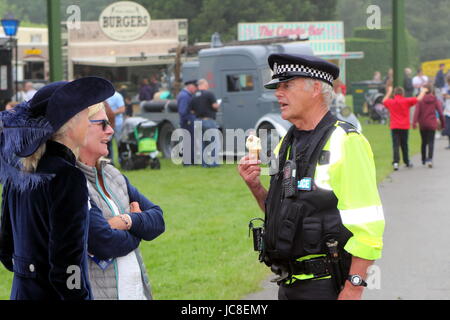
(349, 286)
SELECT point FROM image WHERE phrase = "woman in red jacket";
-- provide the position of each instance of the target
(425, 115)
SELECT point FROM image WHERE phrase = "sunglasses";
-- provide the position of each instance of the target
(104, 122)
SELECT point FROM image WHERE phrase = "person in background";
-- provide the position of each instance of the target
(127, 99)
(407, 83)
(419, 81)
(389, 79)
(45, 209)
(204, 105)
(116, 267)
(377, 76)
(187, 118)
(20, 95)
(128, 107)
(425, 115)
(446, 96)
(400, 121)
(439, 82)
(146, 91)
(154, 83)
(117, 105)
(29, 90)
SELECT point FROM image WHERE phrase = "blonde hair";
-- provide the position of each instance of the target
(94, 109)
(30, 163)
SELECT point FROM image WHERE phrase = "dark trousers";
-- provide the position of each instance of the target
(188, 156)
(308, 290)
(427, 143)
(400, 140)
(210, 159)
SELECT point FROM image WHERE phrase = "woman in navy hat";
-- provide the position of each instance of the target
(44, 223)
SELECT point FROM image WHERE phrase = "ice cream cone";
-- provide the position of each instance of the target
(254, 154)
(253, 144)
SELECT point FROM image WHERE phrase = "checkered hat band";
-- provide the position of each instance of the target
(279, 69)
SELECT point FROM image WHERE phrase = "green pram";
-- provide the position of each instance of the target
(138, 144)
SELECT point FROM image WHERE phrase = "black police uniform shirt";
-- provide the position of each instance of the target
(301, 138)
(202, 103)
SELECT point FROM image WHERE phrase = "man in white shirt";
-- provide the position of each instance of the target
(419, 81)
(29, 91)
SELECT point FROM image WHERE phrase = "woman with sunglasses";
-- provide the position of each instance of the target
(116, 267)
(45, 209)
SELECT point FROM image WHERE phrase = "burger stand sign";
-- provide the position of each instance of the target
(124, 21)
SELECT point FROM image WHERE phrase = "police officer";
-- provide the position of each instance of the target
(187, 118)
(323, 215)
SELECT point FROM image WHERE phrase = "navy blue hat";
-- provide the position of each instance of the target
(286, 67)
(194, 82)
(30, 124)
(58, 102)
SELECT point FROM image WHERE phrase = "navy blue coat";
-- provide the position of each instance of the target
(184, 98)
(43, 237)
(105, 242)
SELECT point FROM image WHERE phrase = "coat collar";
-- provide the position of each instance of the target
(57, 149)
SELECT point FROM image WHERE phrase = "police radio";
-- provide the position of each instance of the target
(257, 235)
(289, 179)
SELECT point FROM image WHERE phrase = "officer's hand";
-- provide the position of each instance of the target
(350, 292)
(250, 171)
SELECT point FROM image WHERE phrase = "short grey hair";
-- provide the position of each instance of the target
(326, 90)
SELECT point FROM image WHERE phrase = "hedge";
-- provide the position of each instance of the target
(377, 48)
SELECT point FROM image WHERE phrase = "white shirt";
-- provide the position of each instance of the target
(129, 279)
(29, 94)
(419, 81)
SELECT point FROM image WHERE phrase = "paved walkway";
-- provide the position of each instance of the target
(416, 255)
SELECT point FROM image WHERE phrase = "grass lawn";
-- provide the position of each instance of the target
(205, 252)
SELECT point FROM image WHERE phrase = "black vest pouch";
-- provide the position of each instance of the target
(312, 235)
(332, 224)
(291, 215)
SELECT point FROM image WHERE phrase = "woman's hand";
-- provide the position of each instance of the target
(117, 223)
(134, 207)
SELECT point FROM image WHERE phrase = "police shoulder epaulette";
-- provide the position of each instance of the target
(348, 128)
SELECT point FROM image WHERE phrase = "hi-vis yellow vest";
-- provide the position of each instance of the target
(350, 174)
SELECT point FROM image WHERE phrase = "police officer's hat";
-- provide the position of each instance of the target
(286, 67)
(194, 82)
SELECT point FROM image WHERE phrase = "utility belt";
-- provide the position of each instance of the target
(317, 267)
(335, 263)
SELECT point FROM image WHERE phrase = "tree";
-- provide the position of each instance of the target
(208, 16)
(427, 21)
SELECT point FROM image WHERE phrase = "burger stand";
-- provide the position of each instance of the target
(123, 45)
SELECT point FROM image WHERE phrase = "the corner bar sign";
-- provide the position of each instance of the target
(124, 21)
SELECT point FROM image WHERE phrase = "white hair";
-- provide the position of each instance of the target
(326, 90)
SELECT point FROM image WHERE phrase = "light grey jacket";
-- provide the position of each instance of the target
(104, 283)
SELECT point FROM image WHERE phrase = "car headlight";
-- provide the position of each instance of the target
(346, 112)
